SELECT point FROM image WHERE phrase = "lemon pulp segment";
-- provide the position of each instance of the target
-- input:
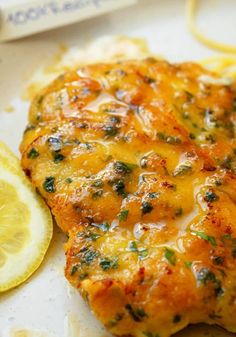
(25, 224)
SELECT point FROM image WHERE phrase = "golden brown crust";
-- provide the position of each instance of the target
(137, 161)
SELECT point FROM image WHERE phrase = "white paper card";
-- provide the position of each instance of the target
(28, 17)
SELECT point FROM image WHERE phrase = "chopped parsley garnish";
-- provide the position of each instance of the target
(123, 215)
(206, 237)
(58, 157)
(119, 187)
(188, 264)
(33, 153)
(113, 322)
(205, 275)
(137, 314)
(227, 162)
(88, 255)
(83, 276)
(133, 247)
(179, 211)
(124, 168)
(211, 138)
(149, 80)
(210, 196)
(69, 180)
(153, 195)
(49, 184)
(218, 182)
(170, 256)
(230, 242)
(107, 263)
(97, 183)
(89, 235)
(177, 318)
(110, 130)
(74, 270)
(94, 236)
(96, 195)
(142, 252)
(218, 260)
(146, 207)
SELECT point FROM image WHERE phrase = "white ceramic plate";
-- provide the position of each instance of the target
(47, 306)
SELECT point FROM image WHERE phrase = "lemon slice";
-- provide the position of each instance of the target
(25, 223)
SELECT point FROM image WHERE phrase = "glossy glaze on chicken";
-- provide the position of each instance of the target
(137, 162)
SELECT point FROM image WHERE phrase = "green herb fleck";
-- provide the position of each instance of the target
(177, 318)
(33, 153)
(231, 243)
(218, 260)
(83, 276)
(149, 80)
(110, 130)
(206, 237)
(210, 196)
(179, 211)
(49, 185)
(119, 187)
(137, 314)
(170, 256)
(94, 236)
(69, 180)
(124, 168)
(153, 195)
(218, 182)
(74, 270)
(89, 235)
(226, 237)
(205, 275)
(121, 168)
(116, 320)
(188, 264)
(107, 263)
(146, 207)
(96, 195)
(97, 183)
(133, 247)
(211, 138)
(142, 252)
(123, 215)
(58, 157)
(88, 255)
(227, 162)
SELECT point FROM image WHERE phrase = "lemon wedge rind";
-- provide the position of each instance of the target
(21, 262)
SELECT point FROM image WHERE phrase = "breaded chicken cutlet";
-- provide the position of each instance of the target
(137, 163)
